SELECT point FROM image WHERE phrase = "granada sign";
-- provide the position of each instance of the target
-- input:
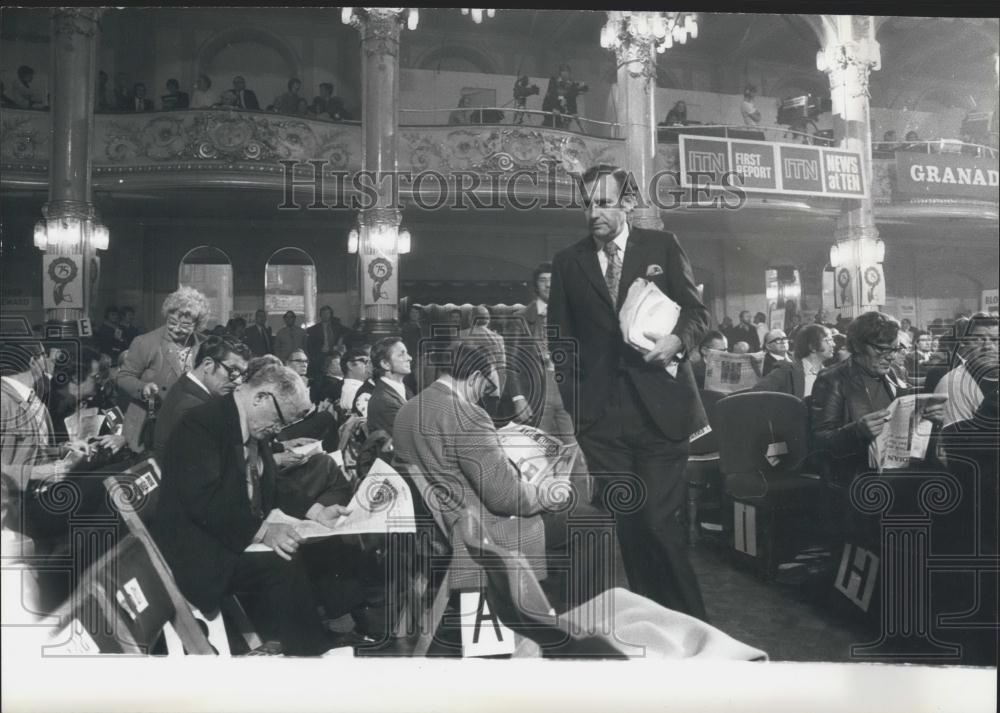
(768, 167)
(920, 175)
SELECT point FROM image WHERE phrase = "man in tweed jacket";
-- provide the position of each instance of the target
(445, 435)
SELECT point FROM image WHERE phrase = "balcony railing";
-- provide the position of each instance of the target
(509, 116)
(209, 147)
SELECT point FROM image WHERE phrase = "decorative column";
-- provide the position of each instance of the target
(849, 53)
(70, 233)
(636, 38)
(378, 240)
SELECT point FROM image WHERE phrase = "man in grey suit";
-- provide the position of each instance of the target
(447, 437)
(390, 364)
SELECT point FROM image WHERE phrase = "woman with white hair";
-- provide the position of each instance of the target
(156, 359)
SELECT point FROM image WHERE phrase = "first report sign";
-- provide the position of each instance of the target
(768, 167)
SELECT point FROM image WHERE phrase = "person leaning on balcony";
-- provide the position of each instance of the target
(461, 117)
(175, 98)
(245, 98)
(327, 106)
(677, 115)
(155, 360)
(203, 97)
(21, 92)
(138, 100)
(288, 103)
(749, 110)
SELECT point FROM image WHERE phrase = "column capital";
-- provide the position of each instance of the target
(634, 44)
(76, 20)
(379, 28)
(850, 53)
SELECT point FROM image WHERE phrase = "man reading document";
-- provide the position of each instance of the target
(634, 412)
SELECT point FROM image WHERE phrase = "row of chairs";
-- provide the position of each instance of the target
(128, 600)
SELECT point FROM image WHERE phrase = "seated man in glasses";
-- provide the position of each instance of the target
(219, 485)
(775, 350)
(219, 367)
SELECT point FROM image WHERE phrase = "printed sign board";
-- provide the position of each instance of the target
(769, 167)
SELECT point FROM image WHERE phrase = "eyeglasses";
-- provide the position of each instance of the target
(778, 339)
(277, 408)
(298, 361)
(172, 322)
(886, 349)
(234, 373)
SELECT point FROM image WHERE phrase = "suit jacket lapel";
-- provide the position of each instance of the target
(234, 434)
(586, 256)
(798, 378)
(632, 264)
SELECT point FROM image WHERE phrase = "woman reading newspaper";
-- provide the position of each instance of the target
(863, 420)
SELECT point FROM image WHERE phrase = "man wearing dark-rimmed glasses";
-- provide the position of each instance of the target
(219, 367)
(220, 483)
(776, 350)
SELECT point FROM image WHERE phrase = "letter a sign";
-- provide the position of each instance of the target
(482, 632)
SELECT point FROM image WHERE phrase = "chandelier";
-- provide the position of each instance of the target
(663, 30)
(477, 13)
(356, 15)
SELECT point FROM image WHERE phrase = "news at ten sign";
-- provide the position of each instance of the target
(767, 167)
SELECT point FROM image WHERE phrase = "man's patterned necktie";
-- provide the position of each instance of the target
(253, 476)
(613, 274)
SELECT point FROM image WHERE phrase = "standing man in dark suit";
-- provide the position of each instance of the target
(219, 367)
(323, 339)
(245, 98)
(219, 484)
(634, 413)
(745, 331)
(138, 100)
(391, 365)
(531, 386)
(258, 335)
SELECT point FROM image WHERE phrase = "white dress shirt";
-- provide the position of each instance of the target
(621, 240)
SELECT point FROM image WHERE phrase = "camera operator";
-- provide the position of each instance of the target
(560, 99)
(522, 90)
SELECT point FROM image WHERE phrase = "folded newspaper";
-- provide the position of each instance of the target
(382, 504)
(728, 373)
(647, 309)
(85, 424)
(533, 451)
(906, 435)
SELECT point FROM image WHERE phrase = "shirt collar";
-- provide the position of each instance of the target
(397, 385)
(23, 391)
(621, 240)
(196, 380)
(244, 428)
(541, 306)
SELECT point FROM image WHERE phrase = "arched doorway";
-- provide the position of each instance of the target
(208, 270)
(290, 284)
